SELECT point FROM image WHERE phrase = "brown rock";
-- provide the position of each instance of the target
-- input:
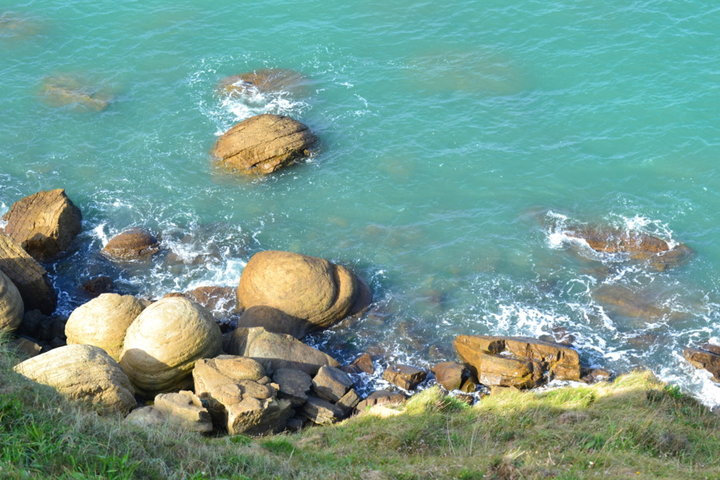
(263, 144)
(277, 350)
(97, 285)
(594, 375)
(450, 374)
(28, 276)
(628, 303)
(321, 412)
(103, 322)
(27, 347)
(709, 347)
(273, 320)
(11, 305)
(264, 80)
(294, 385)
(44, 224)
(404, 376)
(331, 383)
(348, 402)
(236, 402)
(218, 300)
(71, 90)
(163, 343)
(185, 409)
(708, 360)
(132, 244)
(82, 372)
(307, 288)
(362, 364)
(381, 397)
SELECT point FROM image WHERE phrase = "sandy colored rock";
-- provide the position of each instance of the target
(449, 374)
(381, 397)
(132, 244)
(705, 358)
(277, 350)
(263, 144)
(103, 322)
(28, 276)
(163, 343)
(85, 373)
(321, 412)
(331, 383)
(236, 402)
(307, 288)
(11, 305)
(185, 409)
(264, 80)
(273, 320)
(404, 376)
(44, 224)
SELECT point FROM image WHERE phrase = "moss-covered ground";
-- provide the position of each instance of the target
(635, 427)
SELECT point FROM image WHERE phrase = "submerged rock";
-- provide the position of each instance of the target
(163, 343)
(527, 364)
(85, 373)
(626, 302)
(44, 224)
(28, 276)
(71, 90)
(310, 289)
(11, 305)
(96, 286)
(263, 144)
(132, 244)
(103, 322)
(264, 80)
(706, 357)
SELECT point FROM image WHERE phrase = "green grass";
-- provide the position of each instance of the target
(635, 427)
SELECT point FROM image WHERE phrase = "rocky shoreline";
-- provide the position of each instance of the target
(180, 359)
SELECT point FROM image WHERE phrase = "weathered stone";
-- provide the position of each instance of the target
(704, 359)
(273, 320)
(103, 322)
(146, 417)
(71, 90)
(185, 409)
(28, 276)
(11, 305)
(381, 397)
(470, 385)
(264, 80)
(628, 303)
(43, 224)
(277, 350)
(362, 364)
(449, 374)
(82, 372)
(163, 343)
(348, 402)
(27, 347)
(220, 301)
(132, 244)
(294, 385)
(404, 376)
(321, 412)
(238, 403)
(709, 347)
(331, 383)
(594, 375)
(97, 285)
(308, 288)
(263, 144)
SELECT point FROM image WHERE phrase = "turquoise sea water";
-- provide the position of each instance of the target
(452, 134)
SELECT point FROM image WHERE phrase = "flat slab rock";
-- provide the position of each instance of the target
(321, 412)
(294, 384)
(331, 383)
(404, 376)
(381, 397)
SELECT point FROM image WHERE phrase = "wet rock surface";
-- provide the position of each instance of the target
(706, 357)
(264, 80)
(404, 376)
(132, 244)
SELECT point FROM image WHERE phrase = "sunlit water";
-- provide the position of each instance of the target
(454, 137)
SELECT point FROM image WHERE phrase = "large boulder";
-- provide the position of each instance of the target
(263, 144)
(264, 80)
(164, 342)
(239, 395)
(404, 376)
(310, 289)
(277, 350)
(132, 244)
(525, 364)
(85, 373)
(103, 322)
(11, 305)
(44, 224)
(706, 357)
(28, 275)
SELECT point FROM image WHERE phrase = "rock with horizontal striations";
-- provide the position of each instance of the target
(132, 244)
(11, 305)
(103, 322)
(264, 80)
(404, 376)
(277, 350)
(238, 397)
(85, 373)
(163, 343)
(28, 276)
(331, 383)
(707, 357)
(273, 320)
(310, 289)
(321, 412)
(263, 144)
(381, 397)
(44, 224)
(450, 374)
(294, 385)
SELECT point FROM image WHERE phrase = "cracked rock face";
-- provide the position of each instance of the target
(28, 275)
(163, 343)
(11, 305)
(84, 373)
(263, 144)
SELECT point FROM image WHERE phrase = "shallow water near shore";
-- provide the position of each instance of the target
(454, 139)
